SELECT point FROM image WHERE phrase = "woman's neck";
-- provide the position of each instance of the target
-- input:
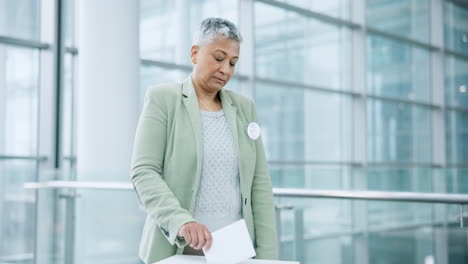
(203, 95)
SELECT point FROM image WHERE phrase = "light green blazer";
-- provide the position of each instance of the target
(167, 164)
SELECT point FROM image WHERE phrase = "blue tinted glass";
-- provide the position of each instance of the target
(293, 48)
(457, 137)
(302, 124)
(407, 18)
(19, 101)
(334, 8)
(402, 244)
(20, 18)
(399, 179)
(456, 82)
(397, 70)
(456, 27)
(398, 132)
(158, 39)
(309, 176)
(17, 214)
(455, 180)
(100, 235)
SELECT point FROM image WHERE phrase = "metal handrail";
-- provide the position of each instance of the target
(418, 197)
(281, 192)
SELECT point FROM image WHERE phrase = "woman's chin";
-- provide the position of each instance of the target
(216, 87)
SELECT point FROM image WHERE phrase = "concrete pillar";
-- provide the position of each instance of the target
(106, 112)
(107, 88)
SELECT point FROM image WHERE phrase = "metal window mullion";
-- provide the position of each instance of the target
(72, 160)
(3, 100)
(438, 127)
(360, 131)
(59, 69)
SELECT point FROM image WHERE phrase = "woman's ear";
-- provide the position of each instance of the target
(193, 53)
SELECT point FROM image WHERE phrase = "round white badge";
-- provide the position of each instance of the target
(253, 131)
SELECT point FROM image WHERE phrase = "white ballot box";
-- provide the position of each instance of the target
(188, 259)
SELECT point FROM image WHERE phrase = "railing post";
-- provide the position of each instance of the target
(278, 229)
(462, 222)
(278, 210)
(299, 233)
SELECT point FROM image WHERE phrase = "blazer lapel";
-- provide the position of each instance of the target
(191, 104)
(230, 112)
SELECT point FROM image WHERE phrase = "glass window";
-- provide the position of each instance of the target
(456, 27)
(334, 8)
(402, 245)
(457, 137)
(455, 180)
(407, 18)
(399, 179)
(106, 231)
(69, 22)
(17, 210)
(200, 10)
(157, 38)
(292, 48)
(166, 27)
(302, 124)
(398, 132)
(19, 101)
(20, 18)
(456, 82)
(316, 224)
(308, 176)
(151, 76)
(397, 70)
(388, 214)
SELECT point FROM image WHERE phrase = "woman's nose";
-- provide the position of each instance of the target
(224, 68)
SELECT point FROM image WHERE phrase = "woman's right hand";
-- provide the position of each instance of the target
(196, 235)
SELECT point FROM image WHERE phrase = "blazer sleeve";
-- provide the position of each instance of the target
(147, 168)
(262, 204)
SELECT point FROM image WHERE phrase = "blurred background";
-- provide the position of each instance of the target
(351, 95)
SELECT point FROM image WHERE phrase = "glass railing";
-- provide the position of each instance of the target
(101, 222)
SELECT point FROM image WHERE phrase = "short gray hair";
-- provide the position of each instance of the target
(212, 27)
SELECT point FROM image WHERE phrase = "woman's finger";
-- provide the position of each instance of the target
(209, 239)
(194, 236)
(187, 236)
(201, 238)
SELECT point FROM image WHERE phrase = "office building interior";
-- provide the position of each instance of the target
(362, 104)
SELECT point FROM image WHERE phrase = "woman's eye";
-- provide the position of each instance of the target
(232, 64)
(219, 59)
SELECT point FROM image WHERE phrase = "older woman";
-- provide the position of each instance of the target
(198, 159)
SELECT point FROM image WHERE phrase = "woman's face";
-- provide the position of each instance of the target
(214, 63)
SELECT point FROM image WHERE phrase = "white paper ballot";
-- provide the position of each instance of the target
(189, 259)
(231, 244)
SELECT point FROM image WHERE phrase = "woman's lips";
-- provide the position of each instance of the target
(218, 79)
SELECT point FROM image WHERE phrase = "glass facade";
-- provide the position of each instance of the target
(20, 19)
(397, 69)
(405, 18)
(347, 97)
(19, 94)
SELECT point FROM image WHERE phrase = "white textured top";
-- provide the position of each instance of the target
(218, 201)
